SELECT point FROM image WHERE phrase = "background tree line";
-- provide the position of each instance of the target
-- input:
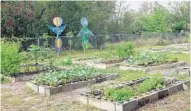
(30, 18)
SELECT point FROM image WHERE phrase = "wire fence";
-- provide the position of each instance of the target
(96, 41)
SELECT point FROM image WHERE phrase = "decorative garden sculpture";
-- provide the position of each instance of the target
(85, 33)
(58, 22)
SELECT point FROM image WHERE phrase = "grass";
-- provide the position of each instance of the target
(179, 57)
(4, 79)
(181, 76)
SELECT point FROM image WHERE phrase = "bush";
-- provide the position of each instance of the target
(125, 50)
(10, 57)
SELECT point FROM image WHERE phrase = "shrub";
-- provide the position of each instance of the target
(10, 57)
(125, 50)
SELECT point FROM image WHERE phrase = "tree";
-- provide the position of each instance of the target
(180, 15)
(156, 21)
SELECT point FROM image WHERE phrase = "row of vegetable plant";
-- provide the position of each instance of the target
(127, 92)
(147, 58)
(55, 78)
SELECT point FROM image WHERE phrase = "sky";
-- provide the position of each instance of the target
(137, 3)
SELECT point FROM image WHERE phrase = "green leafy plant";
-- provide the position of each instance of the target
(45, 36)
(70, 35)
(49, 54)
(125, 50)
(35, 51)
(149, 84)
(146, 58)
(55, 78)
(10, 57)
(4, 79)
(26, 57)
(67, 61)
(118, 95)
(156, 81)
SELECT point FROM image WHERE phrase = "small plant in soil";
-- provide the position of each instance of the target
(35, 50)
(125, 50)
(67, 61)
(49, 54)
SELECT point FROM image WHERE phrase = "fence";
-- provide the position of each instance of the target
(96, 41)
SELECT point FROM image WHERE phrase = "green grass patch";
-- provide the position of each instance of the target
(179, 57)
(4, 79)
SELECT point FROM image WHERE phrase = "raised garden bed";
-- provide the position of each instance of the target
(105, 64)
(151, 68)
(97, 99)
(174, 48)
(83, 61)
(50, 90)
(26, 76)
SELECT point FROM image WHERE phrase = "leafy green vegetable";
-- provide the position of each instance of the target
(146, 58)
(118, 94)
(149, 84)
(55, 78)
(127, 92)
(67, 61)
(125, 50)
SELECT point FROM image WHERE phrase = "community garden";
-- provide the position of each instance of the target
(81, 68)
